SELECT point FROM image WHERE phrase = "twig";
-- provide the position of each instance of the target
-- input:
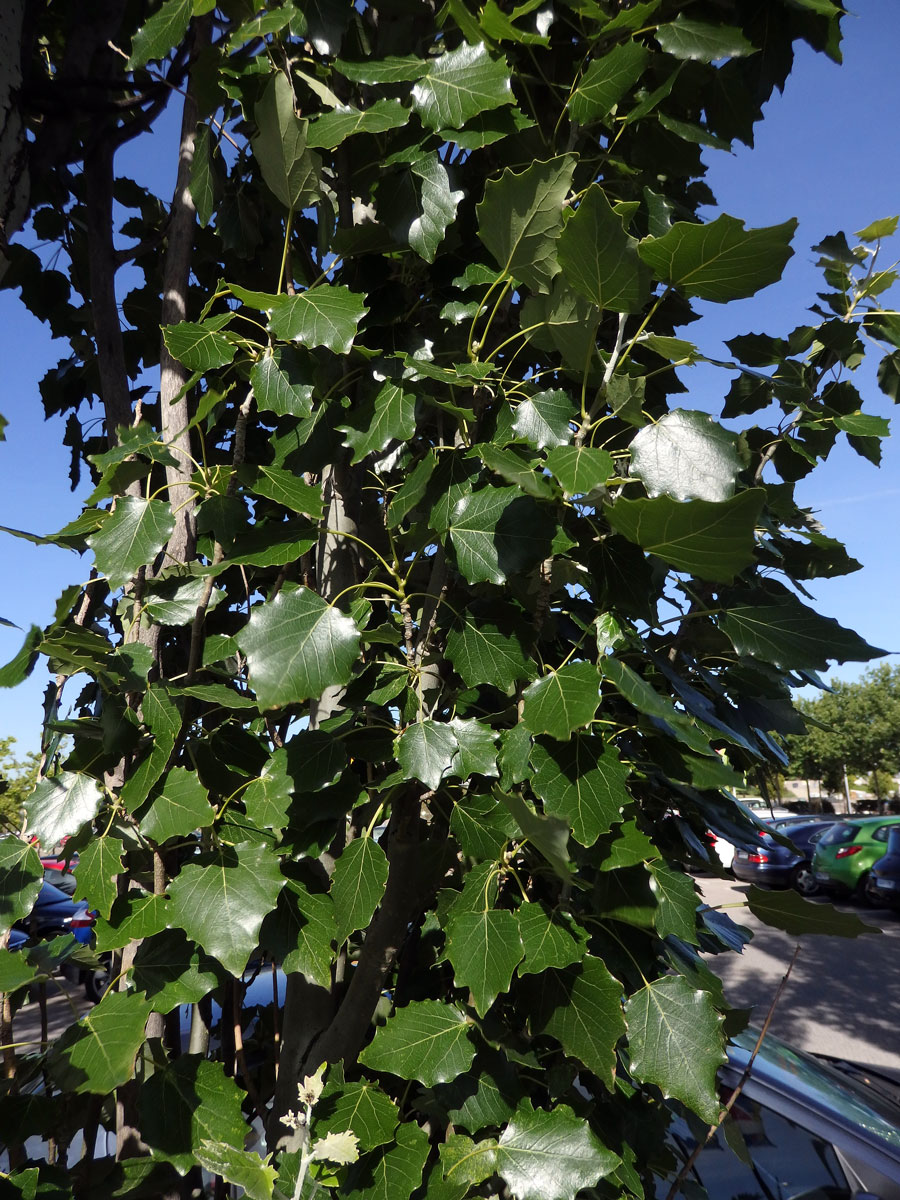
(710, 1133)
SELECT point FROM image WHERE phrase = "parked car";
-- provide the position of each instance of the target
(847, 851)
(776, 865)
(56, 913)
(725, 848)
(59, 872)
(807, 1127)
(883, 884)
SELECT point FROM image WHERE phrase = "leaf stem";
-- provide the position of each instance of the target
(284, 254)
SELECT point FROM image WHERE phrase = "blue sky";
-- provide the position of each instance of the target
(826, 154)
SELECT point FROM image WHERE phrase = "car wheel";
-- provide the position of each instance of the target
(96, 981)
(861, 891)
(803, 880)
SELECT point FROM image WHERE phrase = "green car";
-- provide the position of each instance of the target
(846, 852)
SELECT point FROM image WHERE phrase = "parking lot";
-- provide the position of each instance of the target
(843, 996)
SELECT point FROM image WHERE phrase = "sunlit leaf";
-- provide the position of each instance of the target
(297, 645)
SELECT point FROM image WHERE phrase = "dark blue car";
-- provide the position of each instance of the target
(54, 912)
(883, 882)
(776, 865)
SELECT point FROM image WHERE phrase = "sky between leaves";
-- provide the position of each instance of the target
(826, 153)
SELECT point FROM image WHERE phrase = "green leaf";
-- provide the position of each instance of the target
(21, 666)
(180, 806)
(170, 971)
(131, 537)
(165, 29)
(21, 877)
(562, 701)
(97, 1053)
(363, 1109)
(549, 835)
(297, 646)
(791, 635)
(134, 916)
(357, 885)
(702, 42)
(546, 419)
(273, 543)
(161, 713)
(60, 805)
(886, 227)
(392, 1171)
(243, 1168)
(427, 1040)
(279, 385)
(481, 826)
(459, 85)
(688, 456)
(549, 939)
(580, 469)
(550, 1155)
(796, 916)
(205, 185)
(582, 781)
(483, 653)
(647, 700)
(484, 949)
(516, 468)
(425, 751)
(719, 261)
(710, 540)
(675, 1041)
(477, 753)
(568, 325)
(438, 204)
(599, 259)
(864, 425)
(289, 169)
(520, 218)
(99, 865)
(268, 797)
(497, 532)
(333, 128)
(582, 1008)
(15, 971)
(300, 933)
(391, 416)
(676, 898)
(220, 899)
(185, 1103)
(327, 315)
(606, 81)
(175, 601)
(284, 488)
(393, 69)
(200, 347)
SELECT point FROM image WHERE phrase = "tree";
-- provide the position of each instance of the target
(854, 727)
(17, 780)
(421, 605)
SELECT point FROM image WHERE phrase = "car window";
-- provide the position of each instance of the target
(839, 833)
(814, 837)
(881, 833)
(760, 1154)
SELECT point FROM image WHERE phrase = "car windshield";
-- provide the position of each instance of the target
(839, 833)
(821, 1086)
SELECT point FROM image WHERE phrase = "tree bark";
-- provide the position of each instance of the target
(175, 413)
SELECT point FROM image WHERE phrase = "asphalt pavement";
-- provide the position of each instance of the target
(843, 995)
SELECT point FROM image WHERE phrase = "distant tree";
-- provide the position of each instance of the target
(17, 779)
(853, 728)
